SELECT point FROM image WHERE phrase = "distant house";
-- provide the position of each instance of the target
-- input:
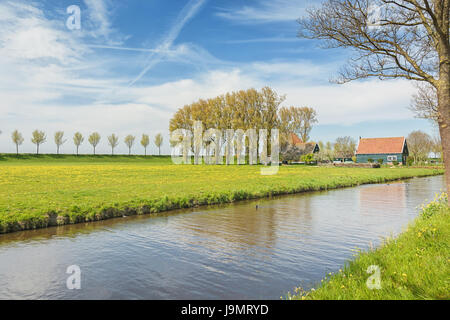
(388, 149)
(304, 147)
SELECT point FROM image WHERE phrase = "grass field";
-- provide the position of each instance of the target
(45, 190)
(416, 265)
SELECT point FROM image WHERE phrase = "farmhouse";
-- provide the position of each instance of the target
(303, 147)
(388, 149)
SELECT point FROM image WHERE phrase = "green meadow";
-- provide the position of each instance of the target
(46, 190)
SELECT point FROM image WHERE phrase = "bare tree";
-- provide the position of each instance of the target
(326, 152)
(17, 139)
(59, 140)
(297, 120)
(345, 147)
(113, 141)
(38, 138)
(309, 117)
(129, 141)
(94, 140)
(78, 140)
(425, 102)
(419, 145)
(436, 146)
(393, 39)
(159, 142)
(145, 141)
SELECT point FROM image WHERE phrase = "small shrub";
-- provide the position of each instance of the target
(395, 163)
(307, 158)
(370, 160)
(410, 161)
(380, 161)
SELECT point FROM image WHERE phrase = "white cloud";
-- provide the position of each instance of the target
(27, 34)
(99, 23)
(263, 40)
(355, 102)
(266, 11)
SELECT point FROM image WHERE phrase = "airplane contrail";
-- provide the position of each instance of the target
(188, 12)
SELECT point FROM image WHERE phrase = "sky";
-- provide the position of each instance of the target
(132, 64)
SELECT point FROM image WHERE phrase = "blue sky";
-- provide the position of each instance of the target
(133, 63)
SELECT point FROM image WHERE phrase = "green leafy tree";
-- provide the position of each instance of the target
(307, 158)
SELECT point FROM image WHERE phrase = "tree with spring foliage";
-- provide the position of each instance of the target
(78, 140)
(17, 138)
(129, 141)
(94, 140)
(246, 109)
(113, 142)
(159, 142)
(145, 141)
(419, 145)
(344, 147)
(59, 140)
(390, 39)
(299, 120)
(38, 138)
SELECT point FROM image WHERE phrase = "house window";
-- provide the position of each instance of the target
(392, 158)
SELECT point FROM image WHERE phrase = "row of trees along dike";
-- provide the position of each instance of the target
(40, 137)
(247, 109)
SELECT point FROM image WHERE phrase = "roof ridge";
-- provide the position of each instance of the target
(402, 137)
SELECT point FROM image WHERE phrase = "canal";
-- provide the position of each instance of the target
(249, 250)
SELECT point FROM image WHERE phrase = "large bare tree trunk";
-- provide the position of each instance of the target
(444, 127)
(444, 116)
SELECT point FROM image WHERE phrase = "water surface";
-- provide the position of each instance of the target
(222, 252)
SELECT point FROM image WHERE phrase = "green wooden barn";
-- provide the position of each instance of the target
(388, 149)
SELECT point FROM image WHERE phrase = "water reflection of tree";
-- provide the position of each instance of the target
(241, 225)
(66, 231)
(238, 227)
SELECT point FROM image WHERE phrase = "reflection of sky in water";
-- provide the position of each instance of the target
(231, 252)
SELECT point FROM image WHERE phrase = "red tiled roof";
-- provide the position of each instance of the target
(294, 139)
(381, 145)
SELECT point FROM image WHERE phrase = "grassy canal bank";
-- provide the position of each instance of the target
(415, 265)
(48, 190)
